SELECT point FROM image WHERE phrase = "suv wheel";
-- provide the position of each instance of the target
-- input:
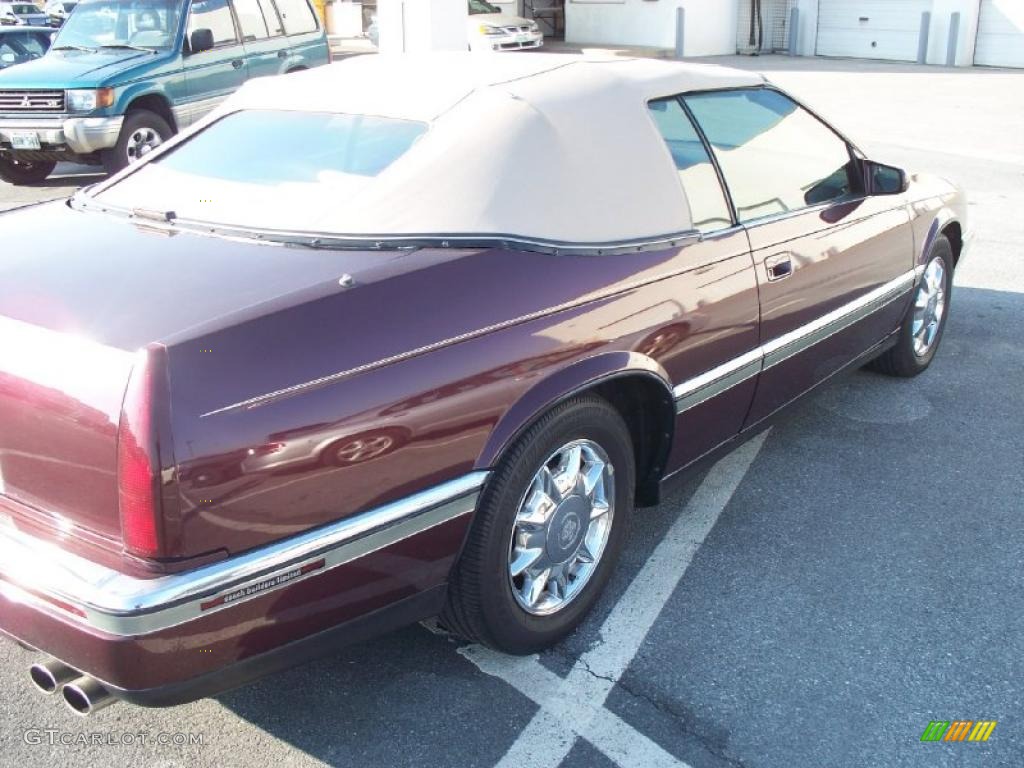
(141, 133)
(15, 171)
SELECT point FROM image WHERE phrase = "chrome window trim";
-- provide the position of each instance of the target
(87, 201)
(32, 570)
(699, 389)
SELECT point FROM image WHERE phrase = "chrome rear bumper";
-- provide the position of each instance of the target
(44, 576)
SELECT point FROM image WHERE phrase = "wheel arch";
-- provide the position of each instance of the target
(636, 386)
(954, 233)
(155, 102)
(947, 224)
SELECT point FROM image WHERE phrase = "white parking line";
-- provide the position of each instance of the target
(574, 707)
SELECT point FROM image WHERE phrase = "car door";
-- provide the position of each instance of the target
(711, 351)
(262, 36)
(211, 76)
(834, 266)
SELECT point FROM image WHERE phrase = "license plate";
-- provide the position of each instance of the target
(25, 140)
(523, 39)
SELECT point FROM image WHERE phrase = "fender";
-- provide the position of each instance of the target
(563, 384)
(942, 219)
(940, 203)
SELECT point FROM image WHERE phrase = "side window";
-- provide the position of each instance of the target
(250, 19)
(33, 43)
(775, 156)
(10, 51)
(708, 207)
(297, 16)
(214, 15)
(273, 21)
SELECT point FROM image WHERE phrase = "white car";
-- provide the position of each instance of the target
(24, 14)
(488, 29)
(58, 10)
(491, 30)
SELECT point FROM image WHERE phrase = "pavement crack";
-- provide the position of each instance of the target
(582, 663)
(685, 721)
(683, 718)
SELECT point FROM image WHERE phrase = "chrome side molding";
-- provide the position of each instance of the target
(697, 390)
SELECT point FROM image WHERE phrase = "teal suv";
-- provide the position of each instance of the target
(124, 75)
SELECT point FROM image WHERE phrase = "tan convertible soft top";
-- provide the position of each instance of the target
(541, 146)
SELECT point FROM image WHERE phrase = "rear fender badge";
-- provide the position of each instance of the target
(262, 586)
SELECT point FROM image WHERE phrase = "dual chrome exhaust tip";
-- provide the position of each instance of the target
(83, 695)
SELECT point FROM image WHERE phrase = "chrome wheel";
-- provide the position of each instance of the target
(142, 141)
(929, 307)
(561, 528)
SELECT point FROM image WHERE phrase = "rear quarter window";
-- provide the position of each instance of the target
(708, 207)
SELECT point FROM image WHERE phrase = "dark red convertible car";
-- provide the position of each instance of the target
(409, 336)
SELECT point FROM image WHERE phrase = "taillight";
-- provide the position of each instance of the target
(138, 487)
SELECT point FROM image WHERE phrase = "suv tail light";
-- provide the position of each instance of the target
(138, 463)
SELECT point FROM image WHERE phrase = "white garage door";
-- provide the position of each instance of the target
(1001, 34)
(871, 29)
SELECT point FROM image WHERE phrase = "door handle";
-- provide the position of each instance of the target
(779, 266)
(237, 63)
(282, 54)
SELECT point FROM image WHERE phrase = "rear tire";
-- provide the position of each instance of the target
(24, 172)
(925, 322)
(141, 132)
(488, 602)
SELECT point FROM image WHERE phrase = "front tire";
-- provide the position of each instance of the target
(548, 531)
(925, 322)
(141, 133)
(24, 172)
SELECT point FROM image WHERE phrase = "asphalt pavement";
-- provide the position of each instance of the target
(814, 600)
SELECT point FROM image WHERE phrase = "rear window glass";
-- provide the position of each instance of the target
(268, 168)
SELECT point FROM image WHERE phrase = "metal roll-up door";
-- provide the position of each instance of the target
(871, 29)
(1000, 34)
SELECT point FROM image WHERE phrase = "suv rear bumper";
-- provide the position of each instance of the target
(81, 135)
(149, 639)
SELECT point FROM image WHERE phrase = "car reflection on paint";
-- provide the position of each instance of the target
(323, 446)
